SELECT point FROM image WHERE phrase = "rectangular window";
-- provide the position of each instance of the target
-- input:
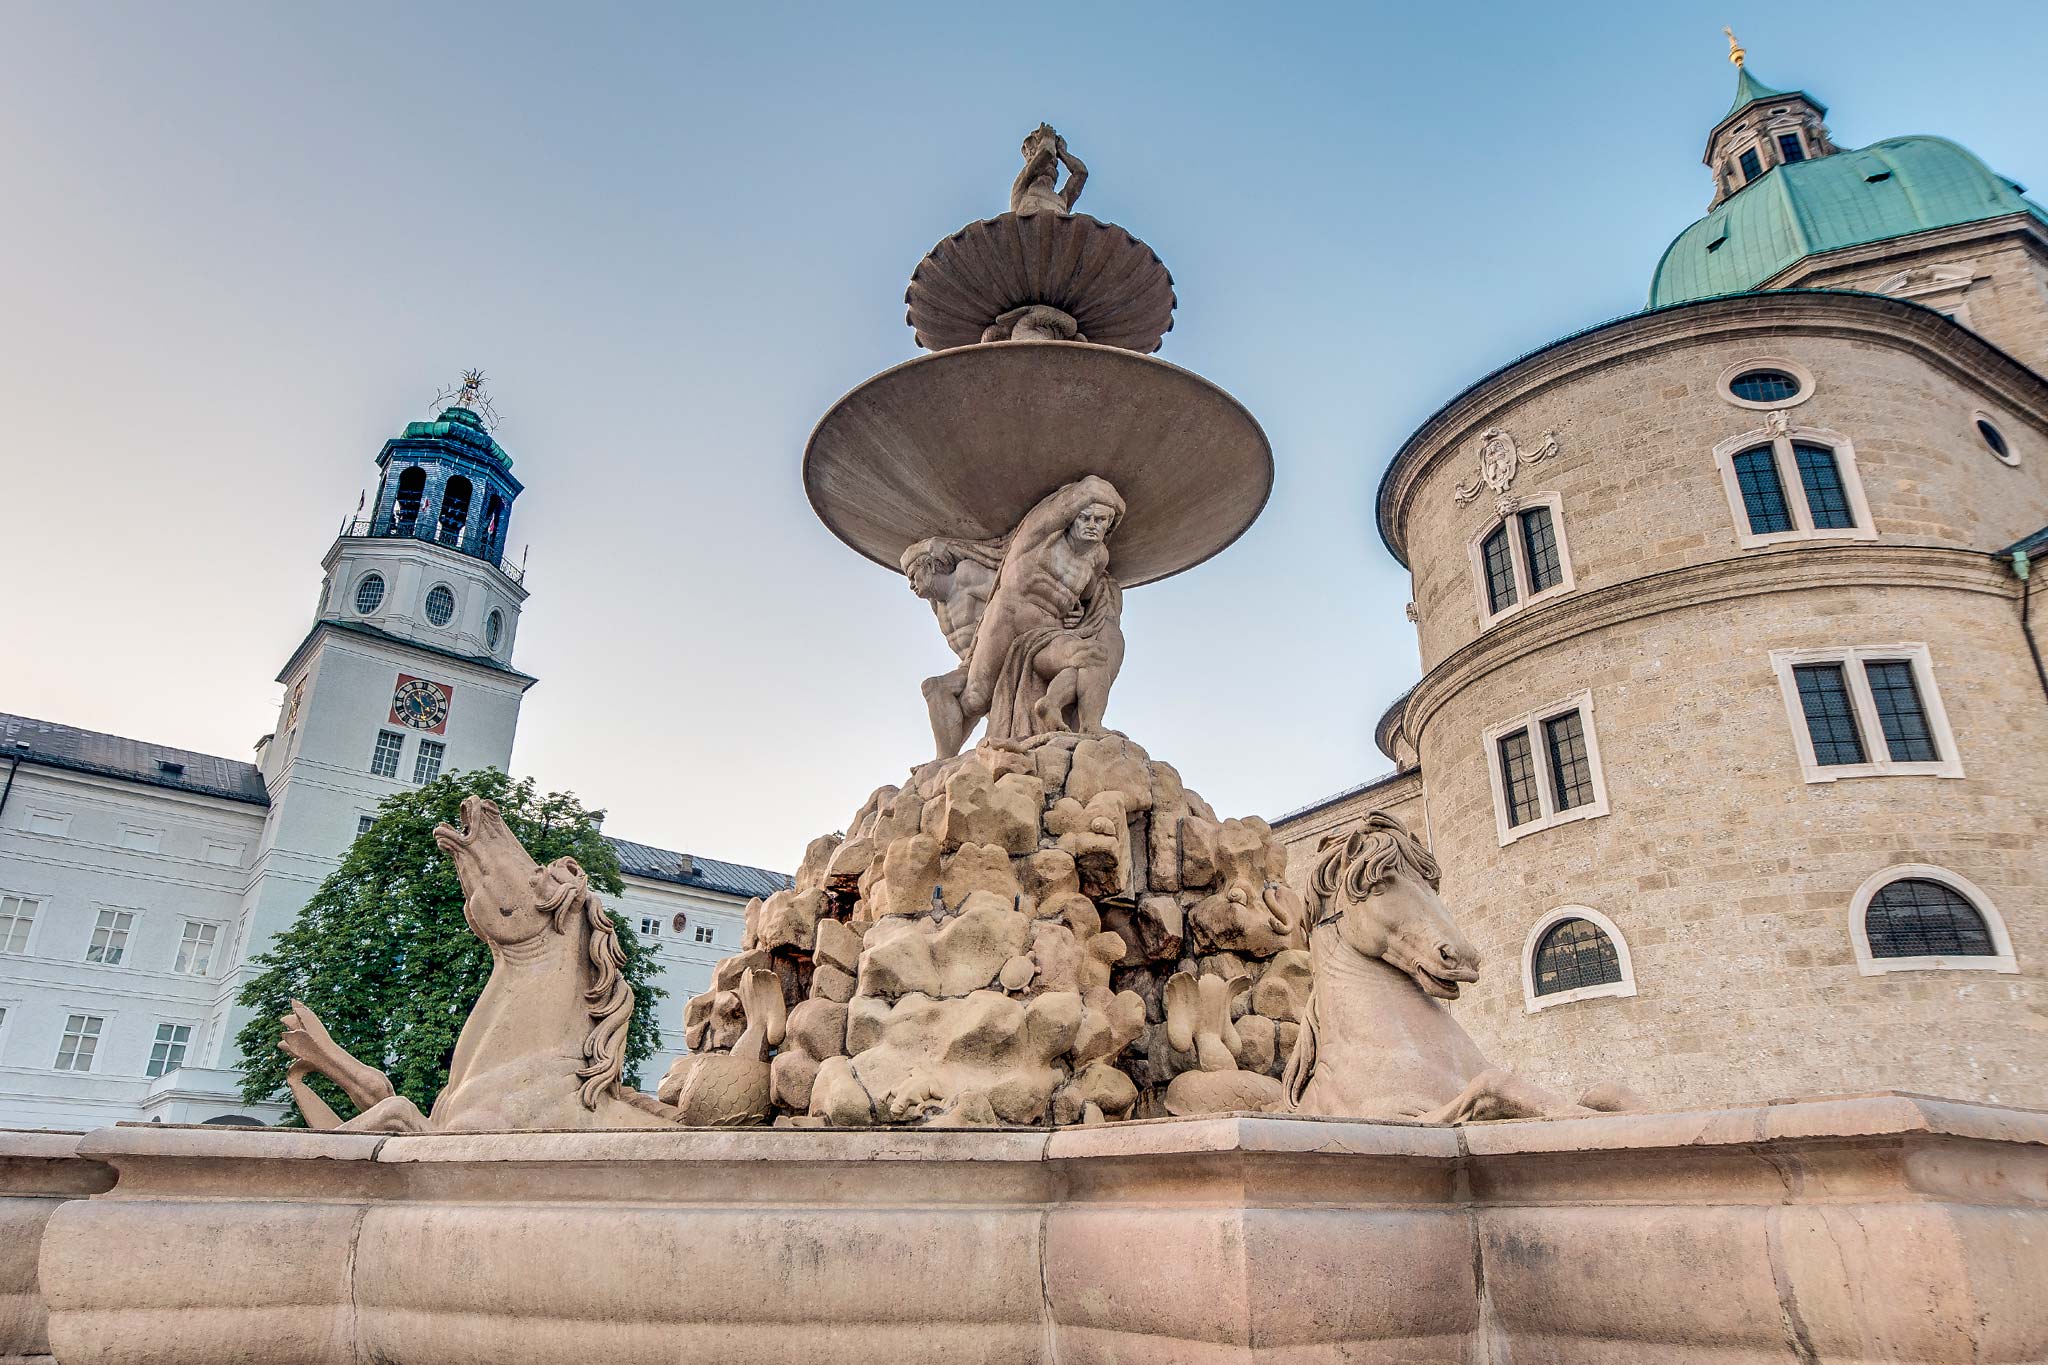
(1539, 541)
(110, 937)
(1904, 720)
(650, 927)
(1763, 496)
(704, 934)
(1866, 711)
(81, 1040)
(384, 762)
(427, 766)
(1826, 499)
(1500, 571)
(363, 823)
(17, 917)
(1546, 769)
(1518, 778)
(1571, 774)
(167, 1053)
(1752, 165)
(1789, 149)
(195, 949)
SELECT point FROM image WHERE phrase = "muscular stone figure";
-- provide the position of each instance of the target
(1050, 641)
(956, 577)
(1032, 191)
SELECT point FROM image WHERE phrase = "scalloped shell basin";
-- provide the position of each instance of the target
(963, 443)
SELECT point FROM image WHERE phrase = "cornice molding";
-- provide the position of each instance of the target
(1898, 324)
(1756, 573)
(2022, 225)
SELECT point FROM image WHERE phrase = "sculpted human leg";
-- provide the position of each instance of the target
(949, 720)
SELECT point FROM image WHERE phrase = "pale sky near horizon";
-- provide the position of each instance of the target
(245, 244)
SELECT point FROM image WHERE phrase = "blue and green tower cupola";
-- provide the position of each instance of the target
(1785, 194)
(448, 480)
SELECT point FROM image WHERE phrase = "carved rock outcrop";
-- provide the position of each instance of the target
(991, 942)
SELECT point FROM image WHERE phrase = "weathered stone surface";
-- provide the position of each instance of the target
(810, 873)
(791, 1077)
(837, 945)
(833, 983)
(910, 867)
(978, 869)
(1256, 1039)
(1151, 930)
(978, 808)
(1281, 991)
(973, 946)
(789, 919)
(1047, 873)
(818, 1027)
(1098, 838)
(1110, 763)
(896, 959)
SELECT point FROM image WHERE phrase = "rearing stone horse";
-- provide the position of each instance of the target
(1375, 1043)
(545, 1043)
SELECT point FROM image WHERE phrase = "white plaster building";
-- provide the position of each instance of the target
(137, 881)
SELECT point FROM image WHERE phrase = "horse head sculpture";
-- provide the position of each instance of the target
(1375, 1042)
(1378, 884)
(545, 1044)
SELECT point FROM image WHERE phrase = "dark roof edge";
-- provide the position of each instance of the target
(1390, 721)
(1361, 789)
(1878, 302)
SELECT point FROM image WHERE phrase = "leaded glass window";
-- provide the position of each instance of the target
(1764, 386)
(1571, 771)
(370, 594)
(1827, 502)
(1830, 718)
(1500, 570)
(1763, 496)
(1789, 149)
(384, 762)
(1518, 778)
(1899, 710)
(1752, 165)
(440, 605)
(1915, 917)
(1539, 542)
(1574, 953)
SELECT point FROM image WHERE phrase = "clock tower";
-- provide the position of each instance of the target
(406, 673)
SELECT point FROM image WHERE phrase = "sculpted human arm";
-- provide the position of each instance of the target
(1049, 520)
(1038, 164)
(1077, 176)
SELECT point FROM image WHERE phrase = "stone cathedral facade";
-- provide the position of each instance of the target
(1733, 723)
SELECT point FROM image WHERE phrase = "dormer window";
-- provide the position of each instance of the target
(1752, 165)
(1790, 149)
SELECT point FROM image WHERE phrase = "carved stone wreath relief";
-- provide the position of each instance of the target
(1500, 458)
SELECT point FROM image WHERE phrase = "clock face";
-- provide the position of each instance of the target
(420, 704)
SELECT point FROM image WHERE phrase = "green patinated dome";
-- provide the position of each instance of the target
(462, 425)
(1893, 188)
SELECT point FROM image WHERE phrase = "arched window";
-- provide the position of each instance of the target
(1919, 918)
(1793, 483)
(1521, 559)
(405, 510)
(1574, 953)
(454, 509)
(440, 605)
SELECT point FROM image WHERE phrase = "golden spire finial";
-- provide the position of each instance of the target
(1736, 54)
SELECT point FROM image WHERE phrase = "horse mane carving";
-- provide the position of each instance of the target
(1353, 861)
(609, 998)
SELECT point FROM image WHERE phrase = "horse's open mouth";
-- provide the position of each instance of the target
(1442, 987)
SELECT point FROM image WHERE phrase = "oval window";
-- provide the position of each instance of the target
(440, 605)
(494, 626)
(370, 594)
(1764, 386)
(1995, 439)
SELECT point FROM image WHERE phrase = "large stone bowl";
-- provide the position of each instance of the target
(1108, 281)
(962, 443)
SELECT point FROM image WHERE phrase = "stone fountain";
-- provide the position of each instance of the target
(1040, 1060)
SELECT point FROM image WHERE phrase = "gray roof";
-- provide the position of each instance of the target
(1361, 789)
(690, 869)
(157, 765)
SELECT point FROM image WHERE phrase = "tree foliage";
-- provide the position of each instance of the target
(382, 954)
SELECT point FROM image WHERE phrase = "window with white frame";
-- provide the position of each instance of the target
(110, 937)
(1574, 953)
(17, 918)
(1521, 559)
(1866, 711)
(80, 1041)
(704, 934)
(1912, 917)
(427, 766)
(1788, 483)
(1545, 768)
(384, 760)
(650, 926)
(363, 823)
(167, 1053)
(195, 948)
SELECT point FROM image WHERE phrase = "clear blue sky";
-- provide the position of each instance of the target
(245, 244)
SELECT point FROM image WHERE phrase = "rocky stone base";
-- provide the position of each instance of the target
(1880, 1228)
(997, 941)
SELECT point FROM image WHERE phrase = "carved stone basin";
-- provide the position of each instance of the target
(964, 442)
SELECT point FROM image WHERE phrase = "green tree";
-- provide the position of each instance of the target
(382, 954)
